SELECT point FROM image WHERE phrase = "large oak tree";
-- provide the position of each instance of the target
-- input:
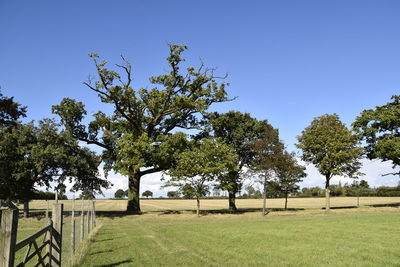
(140, 137)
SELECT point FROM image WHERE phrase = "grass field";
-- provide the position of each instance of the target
(157, 205)
(338, 239)
(365, 236)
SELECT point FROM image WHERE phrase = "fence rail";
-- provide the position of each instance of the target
(48, 250)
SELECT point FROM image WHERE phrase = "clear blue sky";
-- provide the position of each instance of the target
(288, 61)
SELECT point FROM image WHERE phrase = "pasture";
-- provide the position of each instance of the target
(160, 205)
(341, 238)
(306, 235)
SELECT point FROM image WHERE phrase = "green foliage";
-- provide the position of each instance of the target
(42, 155)
(331, 147)
(147, 194)
(239, 131)
(173, 194)
(189, 192)
(141, 137)
(206, 161)
(119, 194)
(10, 111)
(289, 173)
(380, 129)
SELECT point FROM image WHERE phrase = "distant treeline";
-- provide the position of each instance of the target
(351, 191)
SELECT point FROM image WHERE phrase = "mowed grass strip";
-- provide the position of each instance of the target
(157, 205)
(336, 239)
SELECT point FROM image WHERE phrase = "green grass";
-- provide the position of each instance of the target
(337, 239)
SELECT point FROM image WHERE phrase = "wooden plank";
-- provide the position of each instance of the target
(31, 239)
(8, 236)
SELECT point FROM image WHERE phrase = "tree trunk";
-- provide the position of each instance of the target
(264, 197)
(198, 206)
(134, 193)
(26, 208)
(286, 197)
(327, 200)
(232, 198)
(327, 195)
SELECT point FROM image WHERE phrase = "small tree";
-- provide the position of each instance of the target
(119, 194)
(268, 152)
(188, 191)
(332, 148)
(289, 174)
(173, 194)
(147, 194)
(207, 160)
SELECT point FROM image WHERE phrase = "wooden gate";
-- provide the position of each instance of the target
(48, 250)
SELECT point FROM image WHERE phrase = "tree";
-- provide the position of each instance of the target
(380, 129)
(173, 194)
(141, 136)
(268, 150)
(10, 111)
(119, 194)
(289, 173)
(204, 162)
(332, 148)
(42, 155)
(238, 130)
(188, 191)
(147, 194)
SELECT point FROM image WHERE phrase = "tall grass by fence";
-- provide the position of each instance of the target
(44, 247)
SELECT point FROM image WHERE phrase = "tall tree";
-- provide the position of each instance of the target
(141, 137)
(238, 130)
(332, 148)
(380, 129)
(202, 164)
(289, 173)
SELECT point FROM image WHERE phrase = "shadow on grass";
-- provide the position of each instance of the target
(227, 211)
(341, 207)
(115, 264)
(385, 205)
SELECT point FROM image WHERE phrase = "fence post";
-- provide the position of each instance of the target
(93, 215)
(87, 223)
(82, 222)
(57, 217)
(8, 236)
(47, 210)
(73, 226)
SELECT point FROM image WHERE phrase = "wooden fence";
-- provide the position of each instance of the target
(46, 244)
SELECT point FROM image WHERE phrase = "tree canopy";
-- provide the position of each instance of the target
(207, 160)
(141, 137)
(332, 148)
(380, 129)
(10, 111)
(239, 131)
